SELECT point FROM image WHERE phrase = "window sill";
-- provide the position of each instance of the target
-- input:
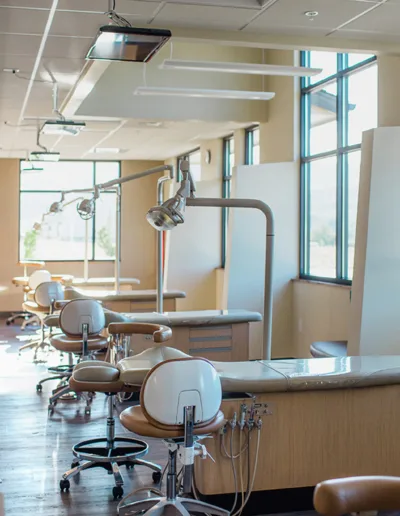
(322, 283)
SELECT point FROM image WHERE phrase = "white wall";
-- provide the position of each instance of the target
(375, 321)
(278, 186)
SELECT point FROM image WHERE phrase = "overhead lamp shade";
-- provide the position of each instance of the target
(62, 127)
(44, 156)
(114, 43)
(204, 93)
(243, 68)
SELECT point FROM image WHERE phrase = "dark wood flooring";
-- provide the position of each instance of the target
(35, 449)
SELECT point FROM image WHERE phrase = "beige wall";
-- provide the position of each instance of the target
(138, 238)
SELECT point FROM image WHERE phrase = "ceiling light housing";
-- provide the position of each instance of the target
(62, 127)
(44, 156)
(242, 68)
(204, 93)
(311, 14)
(114, 43)
(106, 150)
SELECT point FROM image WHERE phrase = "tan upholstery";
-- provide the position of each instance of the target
(97, 376)
(134, 420)
(329, 348)
(357, 494)
(70, 345)
(32, 307)
(52, 321)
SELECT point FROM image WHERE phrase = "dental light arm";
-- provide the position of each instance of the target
(170, 214)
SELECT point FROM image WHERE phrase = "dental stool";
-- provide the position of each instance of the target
(180, 403)
(42, 305)
(110, 452)
(38, 277)
(82, 322)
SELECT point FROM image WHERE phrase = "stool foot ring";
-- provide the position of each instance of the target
(86, 450)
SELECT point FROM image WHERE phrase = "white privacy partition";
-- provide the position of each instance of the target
(276, 184)
(375, 305)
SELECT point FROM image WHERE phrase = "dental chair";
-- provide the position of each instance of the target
(110, 452)
(357, 494)
(41, 305)
(179, 403)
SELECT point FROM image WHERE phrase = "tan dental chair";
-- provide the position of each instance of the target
(179, 403)
(41, 305)
(110, 452)
(82, 322)
(357, 494)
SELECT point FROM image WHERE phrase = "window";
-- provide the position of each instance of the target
(62, 236)
(336, 107)
(227, 170)
(252, 146)
(194, 158)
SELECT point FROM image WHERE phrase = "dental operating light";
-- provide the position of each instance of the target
(242, 68)
(86, 208)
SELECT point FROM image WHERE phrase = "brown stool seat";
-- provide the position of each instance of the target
(70, 345)
(329, 348)
(134, 420)
(31, 306)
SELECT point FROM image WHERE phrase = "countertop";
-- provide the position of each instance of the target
(196, 318)
(124, 295)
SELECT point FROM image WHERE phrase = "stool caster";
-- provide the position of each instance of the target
(64, 485)
(50, 408)
(117, 492)
(74, 464)
(87, 411)
(130, 466)
(156, 477)
(39, 387)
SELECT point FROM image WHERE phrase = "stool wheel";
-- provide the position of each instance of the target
(64, 485)
(39, 387)
(8, 323)
(117, 492)
(130, 466)
(156, 477)
(87, 411)
(74, 464)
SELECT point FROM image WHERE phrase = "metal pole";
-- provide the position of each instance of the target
(269, 254)
(117, 263)
(160, 247)
(86, 259)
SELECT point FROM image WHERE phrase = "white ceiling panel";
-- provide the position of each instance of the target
(200, 16)
(22, 21)
(123, 7)
(67, 47)
(27, 4)
(366, 35)
(22, 63)
(12, 44)
(384, 19)
(288, 15)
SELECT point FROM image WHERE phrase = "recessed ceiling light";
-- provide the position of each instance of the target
(311, 14)
(106, 150)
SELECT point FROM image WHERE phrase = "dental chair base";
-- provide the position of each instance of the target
(110, 453)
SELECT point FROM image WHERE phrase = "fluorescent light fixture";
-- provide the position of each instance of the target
(107, 150)
(44, 156)
(245, 68)
(205, 93)
(114, 43)
(62, 127)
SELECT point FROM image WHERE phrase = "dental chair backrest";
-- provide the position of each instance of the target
(80, 312)
(47, 293)
(175, 384)
(38, 277)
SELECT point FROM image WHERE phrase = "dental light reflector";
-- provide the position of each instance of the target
(114, 43)
(204, 93)
(86, 208)
(62, 127)
(168, 215)
(244, 68)
(44, 156)
(56, 207)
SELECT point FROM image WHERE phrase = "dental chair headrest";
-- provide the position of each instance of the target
(48, 292)
(174, 384)
(82, 311)
(38, 277)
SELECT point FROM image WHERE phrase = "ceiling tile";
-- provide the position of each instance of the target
(384, 19)
(367, 36)
(198, 16)
(287, 14)
(22, 21)
(27, 4)
(66, 47)
(124, 7)
(11, 44)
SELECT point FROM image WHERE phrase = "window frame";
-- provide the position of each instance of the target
(226, 190)
(341, 152)
(249, 144)
(58, 192)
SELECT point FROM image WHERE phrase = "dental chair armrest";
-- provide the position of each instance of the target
(160, 333)
(357, 494)
(58, 305)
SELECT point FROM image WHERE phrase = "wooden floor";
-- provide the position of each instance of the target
(35, 449)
